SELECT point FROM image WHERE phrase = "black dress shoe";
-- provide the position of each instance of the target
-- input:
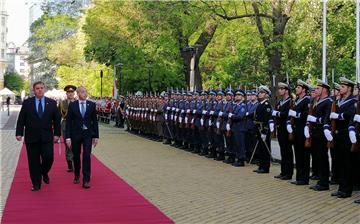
(335, 194)
(262, 171)
(86, 185)
(238, 163)
(299, 182)
(285, 178)
(76, 180)
(357, 201)
(344, 195)
(46, 179)
(278, 176)
(34, 188)
(318, 187)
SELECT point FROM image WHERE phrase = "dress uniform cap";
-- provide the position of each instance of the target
(346, 81)
(70, 88)
(212, 92)
(283, 85)
(253, 92)
(240, 92)
(229, 92)
(337, 86)
(265, 89)
(189, 93)
(220, 92)
(204, 93)
(303, 84)
(322, 84)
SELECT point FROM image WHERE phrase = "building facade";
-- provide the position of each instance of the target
(17, 59)
(3, 41)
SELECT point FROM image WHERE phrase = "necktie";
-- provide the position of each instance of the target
(40, 109)
(82, 109)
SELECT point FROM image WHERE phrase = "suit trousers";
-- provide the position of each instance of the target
(40, 159)
(86, 142)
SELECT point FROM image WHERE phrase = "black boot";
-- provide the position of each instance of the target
(220, 157)
(70, 166)
(212, 153)
(230, 159)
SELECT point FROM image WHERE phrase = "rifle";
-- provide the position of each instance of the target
(193, 124)
(228, 132)
(292, 121)
(308, 141)
(219, 119)
(187, 125)
(355, 146)
(211, 116)
(330, 144)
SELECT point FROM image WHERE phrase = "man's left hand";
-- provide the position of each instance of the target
(95, 142)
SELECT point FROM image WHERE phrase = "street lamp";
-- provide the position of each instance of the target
(101, 76)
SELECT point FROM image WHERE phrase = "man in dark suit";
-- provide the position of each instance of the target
(82, 129)
(41, 119)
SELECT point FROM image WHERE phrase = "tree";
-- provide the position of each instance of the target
(14, 82)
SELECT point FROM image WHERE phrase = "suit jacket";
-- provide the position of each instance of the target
(75, 122)
(38, 129)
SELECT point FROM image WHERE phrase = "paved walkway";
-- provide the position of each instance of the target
(193, 189)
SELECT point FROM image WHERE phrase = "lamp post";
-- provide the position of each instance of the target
(101, 76)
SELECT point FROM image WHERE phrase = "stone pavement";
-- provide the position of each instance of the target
(9, 152)
(193, 189)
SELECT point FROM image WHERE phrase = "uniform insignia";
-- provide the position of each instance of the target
(268, 109)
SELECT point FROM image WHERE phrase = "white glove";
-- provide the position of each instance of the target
(289, 128)
(182, 111)
(173, 108)
(167, 108)
(306, 132)
(328, 135)
(211, 112)
(154, 118)
(192, 121)
(275, 113)
(188, 111)
(175, 118)
(352, 136)
(204, 112)
(263, 137)
(292, 113)
(171, 117)
(217, 124)
(202, 122)
(180, 119)
(186, 120)
(228, 127)
(152, 110)
(166, 116)
(334, 115)
(247, 114)
(357, 118)
(177, 110)
(194, 111)
(311, 118)
(271, 126)
(220, 113)
(230, 115)
(210, 123)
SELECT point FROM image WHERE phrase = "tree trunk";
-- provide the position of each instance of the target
(198, 49)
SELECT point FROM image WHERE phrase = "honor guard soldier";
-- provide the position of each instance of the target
(167, 115)
(219, 138)
(280, 116)
(209, 123)
(320, 134)
(295, 126)
(344, 114)
(195, 122)
(238, 128)
(201, 123)
(251, 105)
(262, 118)
(226, 127)
(63, 107)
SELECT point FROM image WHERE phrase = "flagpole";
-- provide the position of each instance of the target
(357, 41)
(324, 43)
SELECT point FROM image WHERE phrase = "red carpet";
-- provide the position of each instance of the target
(109, 200)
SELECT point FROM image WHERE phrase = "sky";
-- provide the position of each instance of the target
(18, 21)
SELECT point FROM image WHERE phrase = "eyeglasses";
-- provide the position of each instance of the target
(69, 91)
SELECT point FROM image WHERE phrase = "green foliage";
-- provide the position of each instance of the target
(14, 82)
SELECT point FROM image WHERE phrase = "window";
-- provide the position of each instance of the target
(3, 37)
(22, 57)
(3, 21)
(22, 70)
(22, 64)
(2, 53)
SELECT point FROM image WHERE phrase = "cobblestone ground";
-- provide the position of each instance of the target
(9, 152)
(193, 189)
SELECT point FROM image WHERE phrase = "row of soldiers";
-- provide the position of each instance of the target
(229, 125)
